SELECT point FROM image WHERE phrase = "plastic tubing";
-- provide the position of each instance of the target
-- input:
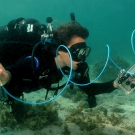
(132, 45)
(95, 78)
(47, 101)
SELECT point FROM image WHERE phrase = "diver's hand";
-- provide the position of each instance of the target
(115, 85)
(5, 75)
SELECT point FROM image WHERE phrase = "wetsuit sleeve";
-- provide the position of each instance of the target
(20, 70)
(96, 88)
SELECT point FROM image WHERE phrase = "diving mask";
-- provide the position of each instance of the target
(79, 51)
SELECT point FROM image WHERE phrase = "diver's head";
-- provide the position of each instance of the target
(64, 33)
(73, 36)
(78, 49)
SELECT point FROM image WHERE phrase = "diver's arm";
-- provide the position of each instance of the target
(93, 88)
(15, 72)
(97, 88)
(5, 75)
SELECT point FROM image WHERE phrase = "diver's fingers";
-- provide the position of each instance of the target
(2, 70)
(5, 75)
(1, 67)
(115, 85)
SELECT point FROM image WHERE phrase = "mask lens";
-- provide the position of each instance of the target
(79, 51)
(87, 51)
(83, 53)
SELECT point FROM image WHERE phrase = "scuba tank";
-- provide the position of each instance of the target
(23, 30)
(18, 38)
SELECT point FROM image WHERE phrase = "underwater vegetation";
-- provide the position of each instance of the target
(7, 119)
(84, 122)
(66, 131)
(111, 71)
(37, 117)
(81, 120)
(91, 120)
(33, 117)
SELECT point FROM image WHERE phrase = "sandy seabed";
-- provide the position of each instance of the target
(118, 106)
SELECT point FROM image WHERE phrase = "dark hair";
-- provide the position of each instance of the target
(64, 33)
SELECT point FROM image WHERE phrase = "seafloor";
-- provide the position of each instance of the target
(69, 114)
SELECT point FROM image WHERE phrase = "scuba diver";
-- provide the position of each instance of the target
(28, 58)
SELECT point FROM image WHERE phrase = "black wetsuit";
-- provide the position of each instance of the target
(23, 77)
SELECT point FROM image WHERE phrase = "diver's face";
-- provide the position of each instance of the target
(64, 58)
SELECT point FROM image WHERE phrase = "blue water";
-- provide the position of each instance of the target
(109, 22)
